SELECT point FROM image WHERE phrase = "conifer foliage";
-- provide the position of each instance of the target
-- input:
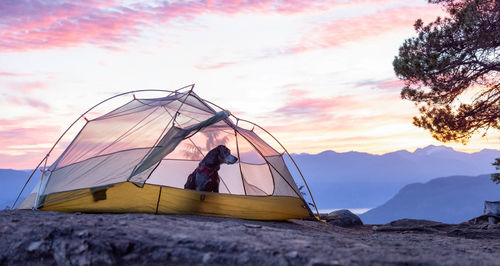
(451, 70)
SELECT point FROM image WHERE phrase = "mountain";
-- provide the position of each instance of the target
(11, 182)
(452, 199)
(363, 180)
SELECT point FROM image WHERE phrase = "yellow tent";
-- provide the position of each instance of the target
(137, 157)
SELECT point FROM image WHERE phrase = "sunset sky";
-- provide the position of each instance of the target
(317, 74)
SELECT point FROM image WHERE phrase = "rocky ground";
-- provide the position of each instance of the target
(50, 238)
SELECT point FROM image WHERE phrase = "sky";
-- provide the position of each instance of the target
(317, 74)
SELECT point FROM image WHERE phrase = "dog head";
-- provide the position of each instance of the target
(225, 156)
(217, 156)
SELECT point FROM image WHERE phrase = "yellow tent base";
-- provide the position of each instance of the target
(126, 197)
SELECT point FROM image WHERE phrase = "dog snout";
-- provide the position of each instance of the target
(230, 159)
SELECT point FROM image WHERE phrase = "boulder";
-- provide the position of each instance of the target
(344, 218)
(492, 209)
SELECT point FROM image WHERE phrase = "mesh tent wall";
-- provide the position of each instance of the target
(137, 157)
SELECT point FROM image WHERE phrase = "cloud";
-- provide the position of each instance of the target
(26, 87)
(347, 114)
(28, 101)
(12, 74)
(385, 84)
(41, 25)
(306, 106)
(34, 25)
(23, 146)
(343, 31)
(213, 66)
(319, 109)
(42, 106)
(20, 136)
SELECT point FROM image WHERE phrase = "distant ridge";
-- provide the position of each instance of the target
(363, 180)
(452, 199)
(11, 182)
(419, 151)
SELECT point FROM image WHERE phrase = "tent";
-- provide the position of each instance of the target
(136, 158)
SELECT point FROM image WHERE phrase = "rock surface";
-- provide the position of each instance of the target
(344, 218)
(51, 238)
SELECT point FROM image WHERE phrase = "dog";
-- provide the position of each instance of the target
(206, 177)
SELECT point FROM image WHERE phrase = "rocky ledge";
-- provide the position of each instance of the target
(50, 238)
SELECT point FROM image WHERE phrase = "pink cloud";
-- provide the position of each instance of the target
(316, 108)
(344, 31)
(26, 87)
(290, 86)
(215, 65)
(337, 125)
(33, 25)
(12, 74)
(17, 135)
(28, 101)
(297, 93)
(42, 25)
(37, 104)
(20, 147)
(386, 84)
(316, 116)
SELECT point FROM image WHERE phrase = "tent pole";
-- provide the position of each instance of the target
(29, 178)
(239, 159)
(173, 121)
(158, 202)
(271, 165)
(185, 98)
(41, 180)
(161, 135)
(296, 166)
(118, 95)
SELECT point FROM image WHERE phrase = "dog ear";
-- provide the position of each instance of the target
(212, 157)
(221, 153)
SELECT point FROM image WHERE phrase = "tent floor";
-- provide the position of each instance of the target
(126, 197)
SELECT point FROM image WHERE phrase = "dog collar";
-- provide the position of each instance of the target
(206, 170)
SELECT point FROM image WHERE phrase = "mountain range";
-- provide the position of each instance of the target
(11, 182)
(363, 180)
(452, 199)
